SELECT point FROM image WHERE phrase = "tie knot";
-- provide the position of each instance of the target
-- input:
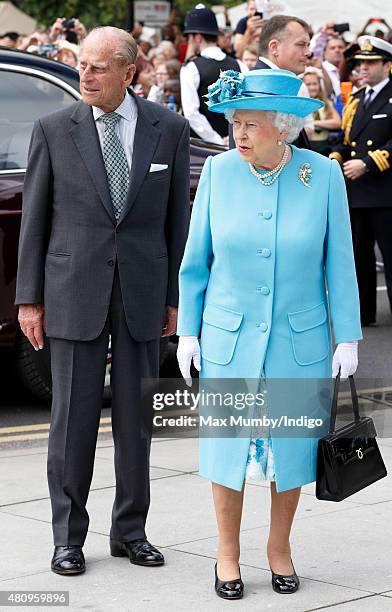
(110, 119)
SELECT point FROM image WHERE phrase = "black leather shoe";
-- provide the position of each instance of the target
(228, 589)
(285, 584)
(140, 552)
(68, 560)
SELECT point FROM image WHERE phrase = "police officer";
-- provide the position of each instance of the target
(365, 154)
(203, 68)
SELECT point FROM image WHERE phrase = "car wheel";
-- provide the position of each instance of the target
(35, 372)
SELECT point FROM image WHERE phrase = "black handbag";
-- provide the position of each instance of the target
(348, 459)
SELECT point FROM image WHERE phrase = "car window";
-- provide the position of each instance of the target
(24, 98)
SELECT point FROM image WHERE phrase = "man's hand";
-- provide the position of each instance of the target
(56, 29)
(353, 169)
(170, 326)
(253, 25)
(79, 30)
(31, 320)
(329, 28)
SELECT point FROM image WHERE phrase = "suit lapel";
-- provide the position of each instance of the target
(85, 137)
(146, 140)
(362, 116)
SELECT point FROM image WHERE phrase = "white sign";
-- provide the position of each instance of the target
(152, 13)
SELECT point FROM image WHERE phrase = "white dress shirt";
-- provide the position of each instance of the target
(125, 128)
(190, 81)
(303, 91)
(334, 75)
(376, 89)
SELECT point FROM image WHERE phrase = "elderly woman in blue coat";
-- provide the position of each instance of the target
(267, 280)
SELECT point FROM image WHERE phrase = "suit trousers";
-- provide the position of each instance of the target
(78, 373)
(371, 225)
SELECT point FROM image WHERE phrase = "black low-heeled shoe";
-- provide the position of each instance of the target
(68, 560)
(285, 584)
(140, 552)
(228, 589)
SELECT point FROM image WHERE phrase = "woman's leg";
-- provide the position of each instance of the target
(228, 510)
(283, 507)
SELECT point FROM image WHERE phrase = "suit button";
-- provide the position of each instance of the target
(265, 290)
(265, 252)
(353, 144)
(369, 143)
(263, 327)
(110, 262)
(267, 214)
(353, 153)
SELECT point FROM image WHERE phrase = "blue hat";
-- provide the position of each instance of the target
(201, 21)
(268, 89)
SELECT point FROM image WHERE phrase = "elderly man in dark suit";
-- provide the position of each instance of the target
(105, 219)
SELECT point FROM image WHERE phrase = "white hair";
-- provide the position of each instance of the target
(285, 122)
(123, 46)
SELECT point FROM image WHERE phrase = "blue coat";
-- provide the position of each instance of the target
(253, 283)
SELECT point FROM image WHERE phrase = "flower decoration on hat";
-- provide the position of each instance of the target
(229, 85)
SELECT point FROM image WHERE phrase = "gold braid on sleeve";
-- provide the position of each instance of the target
(348, 117)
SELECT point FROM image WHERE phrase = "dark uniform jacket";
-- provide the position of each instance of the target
(367, 135)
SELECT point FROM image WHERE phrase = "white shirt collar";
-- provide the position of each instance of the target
(330, 67)
(377, 88)
(268, 62)
(127, 109)
(215, 53)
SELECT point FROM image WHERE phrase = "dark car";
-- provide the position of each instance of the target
(31, 87)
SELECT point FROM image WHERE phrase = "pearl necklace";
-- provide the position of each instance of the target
(274, 173)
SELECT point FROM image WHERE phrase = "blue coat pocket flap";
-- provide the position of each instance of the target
(309, 318)
(222, 317)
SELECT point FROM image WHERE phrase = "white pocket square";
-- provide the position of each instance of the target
(157, 167)
(379, 116)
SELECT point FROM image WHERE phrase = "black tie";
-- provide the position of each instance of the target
(368, 98)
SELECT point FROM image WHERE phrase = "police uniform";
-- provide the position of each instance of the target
(367, 135)
(198, 73)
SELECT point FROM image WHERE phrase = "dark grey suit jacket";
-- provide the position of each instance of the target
(69, 240)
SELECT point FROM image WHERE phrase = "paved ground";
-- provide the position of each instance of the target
(341, 551)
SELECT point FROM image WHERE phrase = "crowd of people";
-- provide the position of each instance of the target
(171, 71)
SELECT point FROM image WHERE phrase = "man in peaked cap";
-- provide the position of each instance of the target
(205, 63)
(365, 154)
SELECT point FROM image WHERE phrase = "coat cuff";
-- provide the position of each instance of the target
(377, 160)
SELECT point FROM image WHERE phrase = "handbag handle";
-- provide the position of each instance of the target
(334, 408)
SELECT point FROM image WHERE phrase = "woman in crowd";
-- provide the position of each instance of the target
(325, 119)
(270, 231)
(144, 78)
(167, 70)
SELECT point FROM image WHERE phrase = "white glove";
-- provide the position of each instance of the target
(346, 358)
(188, 349)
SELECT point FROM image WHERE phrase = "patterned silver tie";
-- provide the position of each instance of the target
(115, 163)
